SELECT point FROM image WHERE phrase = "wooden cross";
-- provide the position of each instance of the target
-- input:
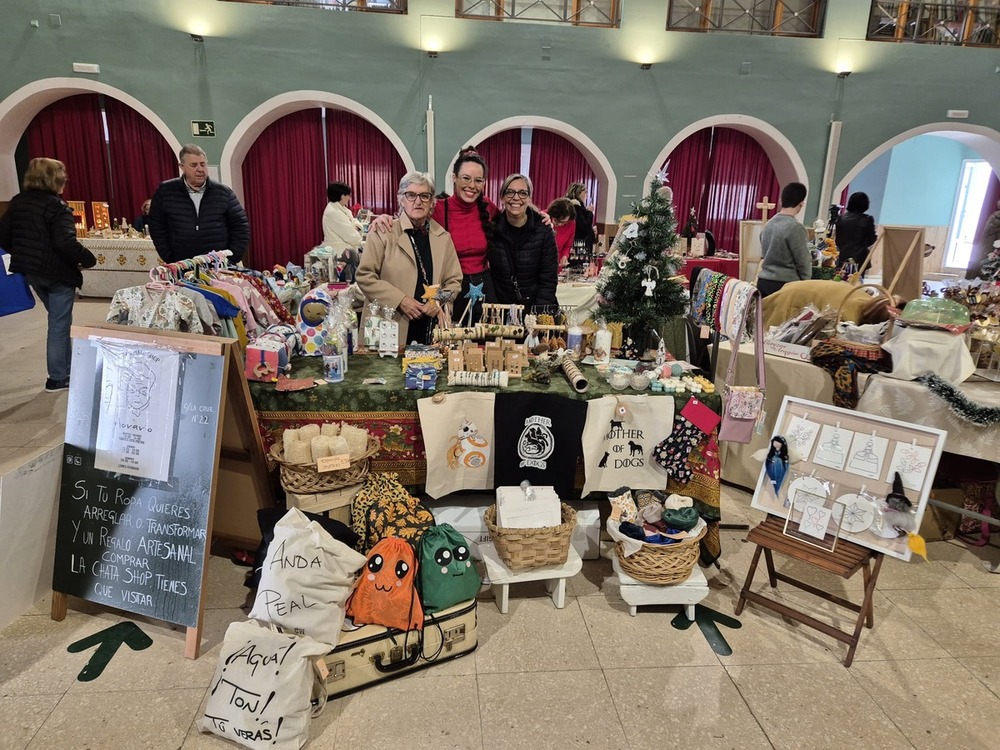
(764, 207)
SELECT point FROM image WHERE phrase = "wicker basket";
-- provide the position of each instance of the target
(864, 351)
(661, 564)
(304, 479)
(525, 549)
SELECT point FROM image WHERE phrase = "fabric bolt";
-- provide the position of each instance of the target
(57, 299)
(537, 438)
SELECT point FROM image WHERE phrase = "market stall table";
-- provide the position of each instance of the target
(785, 377)
(120, 263)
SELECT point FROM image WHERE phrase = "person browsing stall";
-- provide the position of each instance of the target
(340, 230)
(39, 232)
(522, 254)
(416, 252)
(563, 214)
(192, 215)
(143, 218)
(785, 244)
(855, 231)
(584, 215)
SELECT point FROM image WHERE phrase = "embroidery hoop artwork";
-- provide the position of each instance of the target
(801, 435)
(911, 461)
(833, 445)
(859, 513)
(866, 456)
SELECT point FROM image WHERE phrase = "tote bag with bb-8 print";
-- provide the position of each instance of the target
(458, 441)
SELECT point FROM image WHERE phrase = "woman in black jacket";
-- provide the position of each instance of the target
(577, 194)
(522, 252)
(39, 233)
(855, 231)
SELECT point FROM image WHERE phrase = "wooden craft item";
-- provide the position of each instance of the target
(494, 358)
(102, 219)
(513, 363)
(474, 360)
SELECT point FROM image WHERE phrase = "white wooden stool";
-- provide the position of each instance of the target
(554, 576)
(636, 594)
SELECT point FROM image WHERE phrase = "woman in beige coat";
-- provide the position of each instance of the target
(416, 253)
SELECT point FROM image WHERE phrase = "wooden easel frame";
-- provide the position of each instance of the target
(917, 241)
(237, 419)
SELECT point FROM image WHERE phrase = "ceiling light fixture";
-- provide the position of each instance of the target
(843, 74)
(645, 66)
(197, 38)
(432, 54)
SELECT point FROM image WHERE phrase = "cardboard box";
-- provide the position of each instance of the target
(336, 504)
(939, 524)
(466, 515)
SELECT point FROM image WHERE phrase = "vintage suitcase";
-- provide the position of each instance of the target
(374, 653)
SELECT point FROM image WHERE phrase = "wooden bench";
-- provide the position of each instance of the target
(846, 560)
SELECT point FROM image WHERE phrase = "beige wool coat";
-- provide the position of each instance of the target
(388, 270)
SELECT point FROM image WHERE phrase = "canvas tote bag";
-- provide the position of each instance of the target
(458, 441)
(618, 441)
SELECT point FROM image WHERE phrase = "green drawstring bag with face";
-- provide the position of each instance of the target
(447, 574)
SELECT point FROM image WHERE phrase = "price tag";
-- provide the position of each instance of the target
(333, 463)
(704, 332)
(321, 669)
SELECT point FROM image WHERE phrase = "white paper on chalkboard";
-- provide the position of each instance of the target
(136, 419)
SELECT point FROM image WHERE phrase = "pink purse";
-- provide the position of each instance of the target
(743, 406)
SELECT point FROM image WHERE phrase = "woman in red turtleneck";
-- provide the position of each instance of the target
(468, 217)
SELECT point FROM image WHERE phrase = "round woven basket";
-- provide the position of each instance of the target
(525, 549)
(303, 479)
(661, 564)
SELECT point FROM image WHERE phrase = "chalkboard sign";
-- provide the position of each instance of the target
(139, 474)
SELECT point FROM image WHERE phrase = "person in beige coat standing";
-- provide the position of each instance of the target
(416, 253)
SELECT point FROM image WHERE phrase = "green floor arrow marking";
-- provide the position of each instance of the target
(108, 641)
(706, 619)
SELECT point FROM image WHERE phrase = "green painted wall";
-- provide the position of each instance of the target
(490, 71)
(922, 181)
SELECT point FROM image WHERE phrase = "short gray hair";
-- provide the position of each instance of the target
(415, 178)
(511, 178)
(190, 148)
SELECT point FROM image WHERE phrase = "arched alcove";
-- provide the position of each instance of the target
(595, 157)
(256, 121)
(18, 110)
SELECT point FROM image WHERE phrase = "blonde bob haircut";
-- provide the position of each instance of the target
(45, 174)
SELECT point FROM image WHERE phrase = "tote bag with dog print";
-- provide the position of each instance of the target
(619, 438)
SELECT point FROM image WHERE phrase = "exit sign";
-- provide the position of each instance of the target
(203, 128)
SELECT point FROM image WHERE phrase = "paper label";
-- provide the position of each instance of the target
(321, 669)
(333, 463)
(6, 264)
(704, 332)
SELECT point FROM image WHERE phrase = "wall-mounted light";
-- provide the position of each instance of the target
(645, 66)
(843, 74)
(197, 38)
(432, 54)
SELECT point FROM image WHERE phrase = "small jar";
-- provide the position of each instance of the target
(619, 381)
(639, 381)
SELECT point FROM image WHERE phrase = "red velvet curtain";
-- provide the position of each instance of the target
(723, 173)
(359, 154)
(71, 131)
(688, 168)
(741, 175)
(502, 154)
(140, 158)
(284, 190)
(555, 164)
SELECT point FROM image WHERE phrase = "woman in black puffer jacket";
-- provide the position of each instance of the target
(39, 233)
(522, 253)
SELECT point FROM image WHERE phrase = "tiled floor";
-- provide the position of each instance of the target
(927, 676)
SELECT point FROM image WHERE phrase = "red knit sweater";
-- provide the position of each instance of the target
(466, 231)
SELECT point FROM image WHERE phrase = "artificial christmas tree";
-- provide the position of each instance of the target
(636, 286)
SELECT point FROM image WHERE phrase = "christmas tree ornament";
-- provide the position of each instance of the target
(649, 282)
(623, 262)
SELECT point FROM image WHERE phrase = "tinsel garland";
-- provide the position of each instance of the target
(958, 402)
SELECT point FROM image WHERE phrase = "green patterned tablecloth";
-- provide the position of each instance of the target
(353, 396)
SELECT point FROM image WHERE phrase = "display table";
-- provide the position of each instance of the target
(388, 411)
(785, 377)
(637, 594)
(501, 577)
(910, 401)
(120, 264)
(719, 265)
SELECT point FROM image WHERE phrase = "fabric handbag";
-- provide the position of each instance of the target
(447, 573)
(619, 438)
(386, 593)
(262, 691)
(743, 406)
(15, 294)
(458, 441)
(306, 579)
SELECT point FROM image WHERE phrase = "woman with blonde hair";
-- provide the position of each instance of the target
(39, 233)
